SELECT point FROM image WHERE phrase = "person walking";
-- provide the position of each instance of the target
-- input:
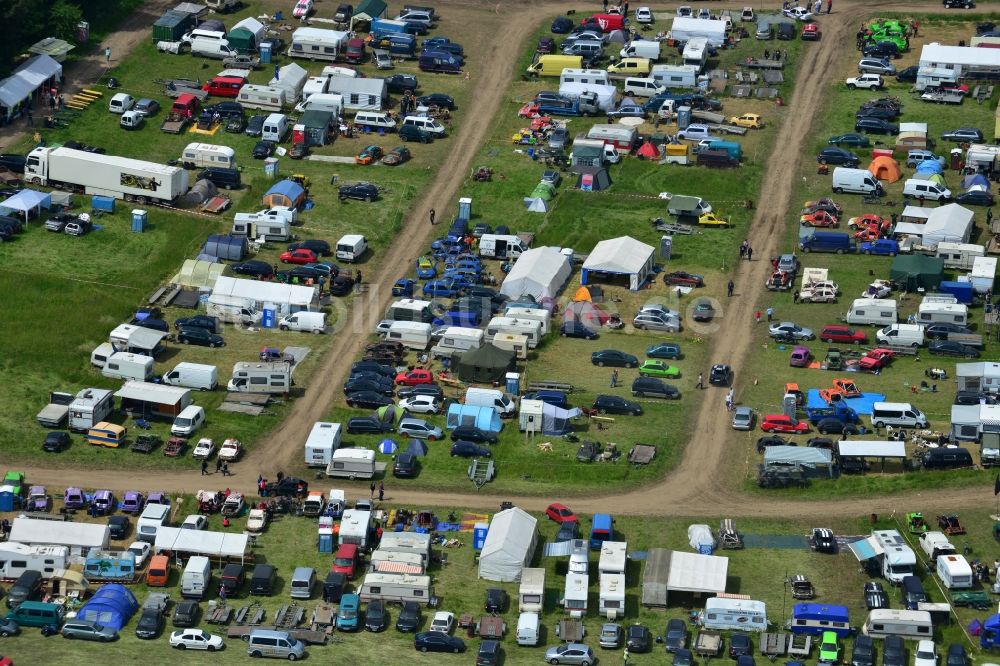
(756, 316)
(381, 491)
(225, 469)
(989, 216)
(433, 215)
(770, 313)
(729, 289)
(701, 381)
(749, 253)
(204, 467)
(625, 656)
(614, 378)
(730, 399)
(107, 56)
(829, 6)
(218, 465)
(371, 490)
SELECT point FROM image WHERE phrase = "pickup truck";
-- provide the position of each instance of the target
(586, 105)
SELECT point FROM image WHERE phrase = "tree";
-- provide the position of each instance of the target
(63, 19)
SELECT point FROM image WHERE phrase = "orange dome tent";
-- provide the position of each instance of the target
(885, 168)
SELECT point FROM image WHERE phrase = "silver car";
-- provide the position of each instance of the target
(570, 653)
(654, 322)
(743, 418)
(876, 66)
(791, 330)
(88, 631)
(419, 429)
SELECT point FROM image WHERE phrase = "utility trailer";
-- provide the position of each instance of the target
(146, 443)
(218, 613)
(943, 96)
(773, 645)
(707, 644)
(174, 88)
(175, 123)
(800, 645)
(54, 414)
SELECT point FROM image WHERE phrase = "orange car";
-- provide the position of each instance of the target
(369, 155)
(820, 218)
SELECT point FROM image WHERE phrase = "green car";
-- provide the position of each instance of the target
(859, 140)
(829, 651)
(658, 369)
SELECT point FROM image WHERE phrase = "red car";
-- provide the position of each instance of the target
(346, 560)
(844, 334)
(876, 359)
(781, 423)
(560, 513)
(414, 377)
(820, 218)
(810, 32)
(300, 256)
(684, 278)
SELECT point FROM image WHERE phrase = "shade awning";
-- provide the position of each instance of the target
(859, 448)
(798, 455)
(866, 549)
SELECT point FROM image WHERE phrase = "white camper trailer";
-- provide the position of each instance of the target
(872, 312)
(267, 98)
(124, 365)
(575, 595)
(530, 328)
(407, 542)
(324, 438)
(542, 316)
(959, 255)
(611, 603)
(734, 614)
(396, 588)
(943, 313)
(514, 342)
(412, 334)
(318, 44)
(383, 561)
(352, 463)
(954, 571)
(531, 593)
(201, 155)
(457, 339)
(355, 528)
(613, 556)
(911, 624)
(89, 407)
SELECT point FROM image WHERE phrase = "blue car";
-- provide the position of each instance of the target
(883, 246)
(404, 287)
(348, 616)
(425, 272)
(462, 281)
(464, 265)
(446, 288)
(668, 350)
(450, 245)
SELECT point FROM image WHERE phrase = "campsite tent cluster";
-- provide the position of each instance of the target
(26, 84)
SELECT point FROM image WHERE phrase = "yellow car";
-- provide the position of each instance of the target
(713, 220)
(632, 67)
(751, 120)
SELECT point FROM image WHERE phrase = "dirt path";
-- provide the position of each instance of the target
(693, 488)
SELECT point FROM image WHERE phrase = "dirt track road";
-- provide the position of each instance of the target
(692, 488)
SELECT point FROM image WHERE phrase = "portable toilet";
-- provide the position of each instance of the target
(138, 221)
(325, 539)
(479, 531)
(264, 50)
(465, 208)
(7, 496)
(271, 167)
(513, 383)
(683, 117)
(666, 246)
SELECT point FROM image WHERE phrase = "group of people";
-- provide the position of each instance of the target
(746, 251)
(381, 490)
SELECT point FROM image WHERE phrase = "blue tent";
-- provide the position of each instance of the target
(484, 418)
(387, 446)
(111, 606)
(224, 246)
(929, 166)
(417, 447)
(975, 179)
(286, 193)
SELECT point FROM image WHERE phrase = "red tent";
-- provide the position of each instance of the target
(648, 151)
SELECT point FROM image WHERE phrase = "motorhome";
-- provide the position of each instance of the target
(872, 312)
(411, 334)
(611, 602)
(734, 614)
(396, 588)
(530, 328)
(544, 317)
(531, 592)
(193, 375)
(199, 155)
(356, 528)
(495, 398)
(322, 443)
(417, 543)
(124, 365)
(959, 255)
(909, 624)
(16, 558)
(818, 618)
(251, 377)
(613, 557)
(954, 571)
(351, 463)
(943, 313)
(695, 52)
(90, 407)
(455, 340)
(890, 552)
(575, 595)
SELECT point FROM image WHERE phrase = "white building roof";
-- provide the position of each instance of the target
(540, 272)
(33, 531)
(934, 55)
(619, 255)
(265, 292)
(200, 542)
(693, 572)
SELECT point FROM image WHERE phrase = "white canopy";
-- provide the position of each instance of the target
(540, 272)
(509, 546)
(713, 30)
(620, 256)
(950, 223)
(27, 78)
(200, 542)
(693, 572)
(860, 448)
(27, 200)
(36, 532)
(159, 394)
(252, 25)
(288, 297)
(291, 79)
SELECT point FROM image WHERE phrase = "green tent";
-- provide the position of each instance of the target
(485, 365)
(915, 271)
(544, 191)
(368, 11)
(242, 40)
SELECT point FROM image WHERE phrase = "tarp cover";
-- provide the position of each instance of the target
(866, 549)
(917, 270)
(159, 394)
(200, 542)
(540, 272)
(285, 193)
(700, 535)
(509, 546)
(798, 455)
(291, 297)
(620, 256)
(112, 606)
(683, 29)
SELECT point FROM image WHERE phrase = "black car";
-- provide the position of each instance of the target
(302, 273)
(956, 655)
(360, 191)
(13, 162)
(612, 404)
(376, 617)
(496, 600)
(893, 651)
(186, 613)
(356, 385)
(683, 658)
(883, 112)
(587, 452)
(341, 285)
(864, 651)
(226, 110)
(372, 376)
(908, 74)
(786, 31)
(823, 540)
(439, 100)
(85, 147)
(290, 486)
(613, 358)
(949, 348)
(958, 4)
(118, 526)
(405, 466)
(199, 336)
(368, 399)
(875, 126)
(820, 443)
(576, 329)
(720, 375)
(436, 641)
(875, 596)
(232, 578)
(561, 25)
(964, 135)
(436, 391)
(372, 366)
(834, 155)
(975, 198)
(264, 149)
(320, 247)
(56, 441)
(545, 45)
(400, 83)
(469, 450)
(150, 624)
(940, 331)
(676, 635)
(772, 440)
(739, 645)
(489, 653)
(368, 425)
(253, 267)
(198, 321)
(974, 398)
(470, 433)
(834, 426)
(883, 49)
(409, 617)
(638, 638)
(344, 13)
(255, 125)
(568, 531)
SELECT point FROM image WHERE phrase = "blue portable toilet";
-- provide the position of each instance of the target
(265, 53)
(513, 383)
(683, 117)
(325, 540)
(138, 221)
(7, 498)
(465, 208)
(269, 317)
(479, 531)
(271, 167)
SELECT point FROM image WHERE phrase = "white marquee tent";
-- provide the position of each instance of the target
(509, 546)
(540, 272)
(620, 256)
(200, 542)
(684, 29)
(287, 298)
(78, 537)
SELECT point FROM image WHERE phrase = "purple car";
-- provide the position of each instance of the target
(74, 498)
(800, 358)
(38, 499)
(158, 497)
(133, 501)
(104, 502)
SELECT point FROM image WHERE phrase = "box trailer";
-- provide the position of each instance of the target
(396, 588)
(105, 175)
(250, 377)
(323, 440)
(351, 463)
(318, 44)
(531, 592)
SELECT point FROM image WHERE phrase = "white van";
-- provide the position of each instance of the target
(120, 103)
(943, 313)
(935, 544)
(321, 102)
(351, 247)
(152, 518)
(188, 421)
(275, 128)
(200, 155)
(425, 123)
(528, 629)
(856, 181)
(954, 571)
(199, 33)
(495, 398)
(377, 120)
(641, 48)
(304, 321)
(412, 334)
(212, 48)
(597, 77)
(643, 87)
(123, 365)
(352, 463)
(911, 624)
(193, 375)
(196, 577)
(267, 98)
(901, 335)
(901, 414)
(872, 312)
(925, 189)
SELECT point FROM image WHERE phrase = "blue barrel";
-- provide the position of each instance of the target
(265, 53)
(138, 221)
